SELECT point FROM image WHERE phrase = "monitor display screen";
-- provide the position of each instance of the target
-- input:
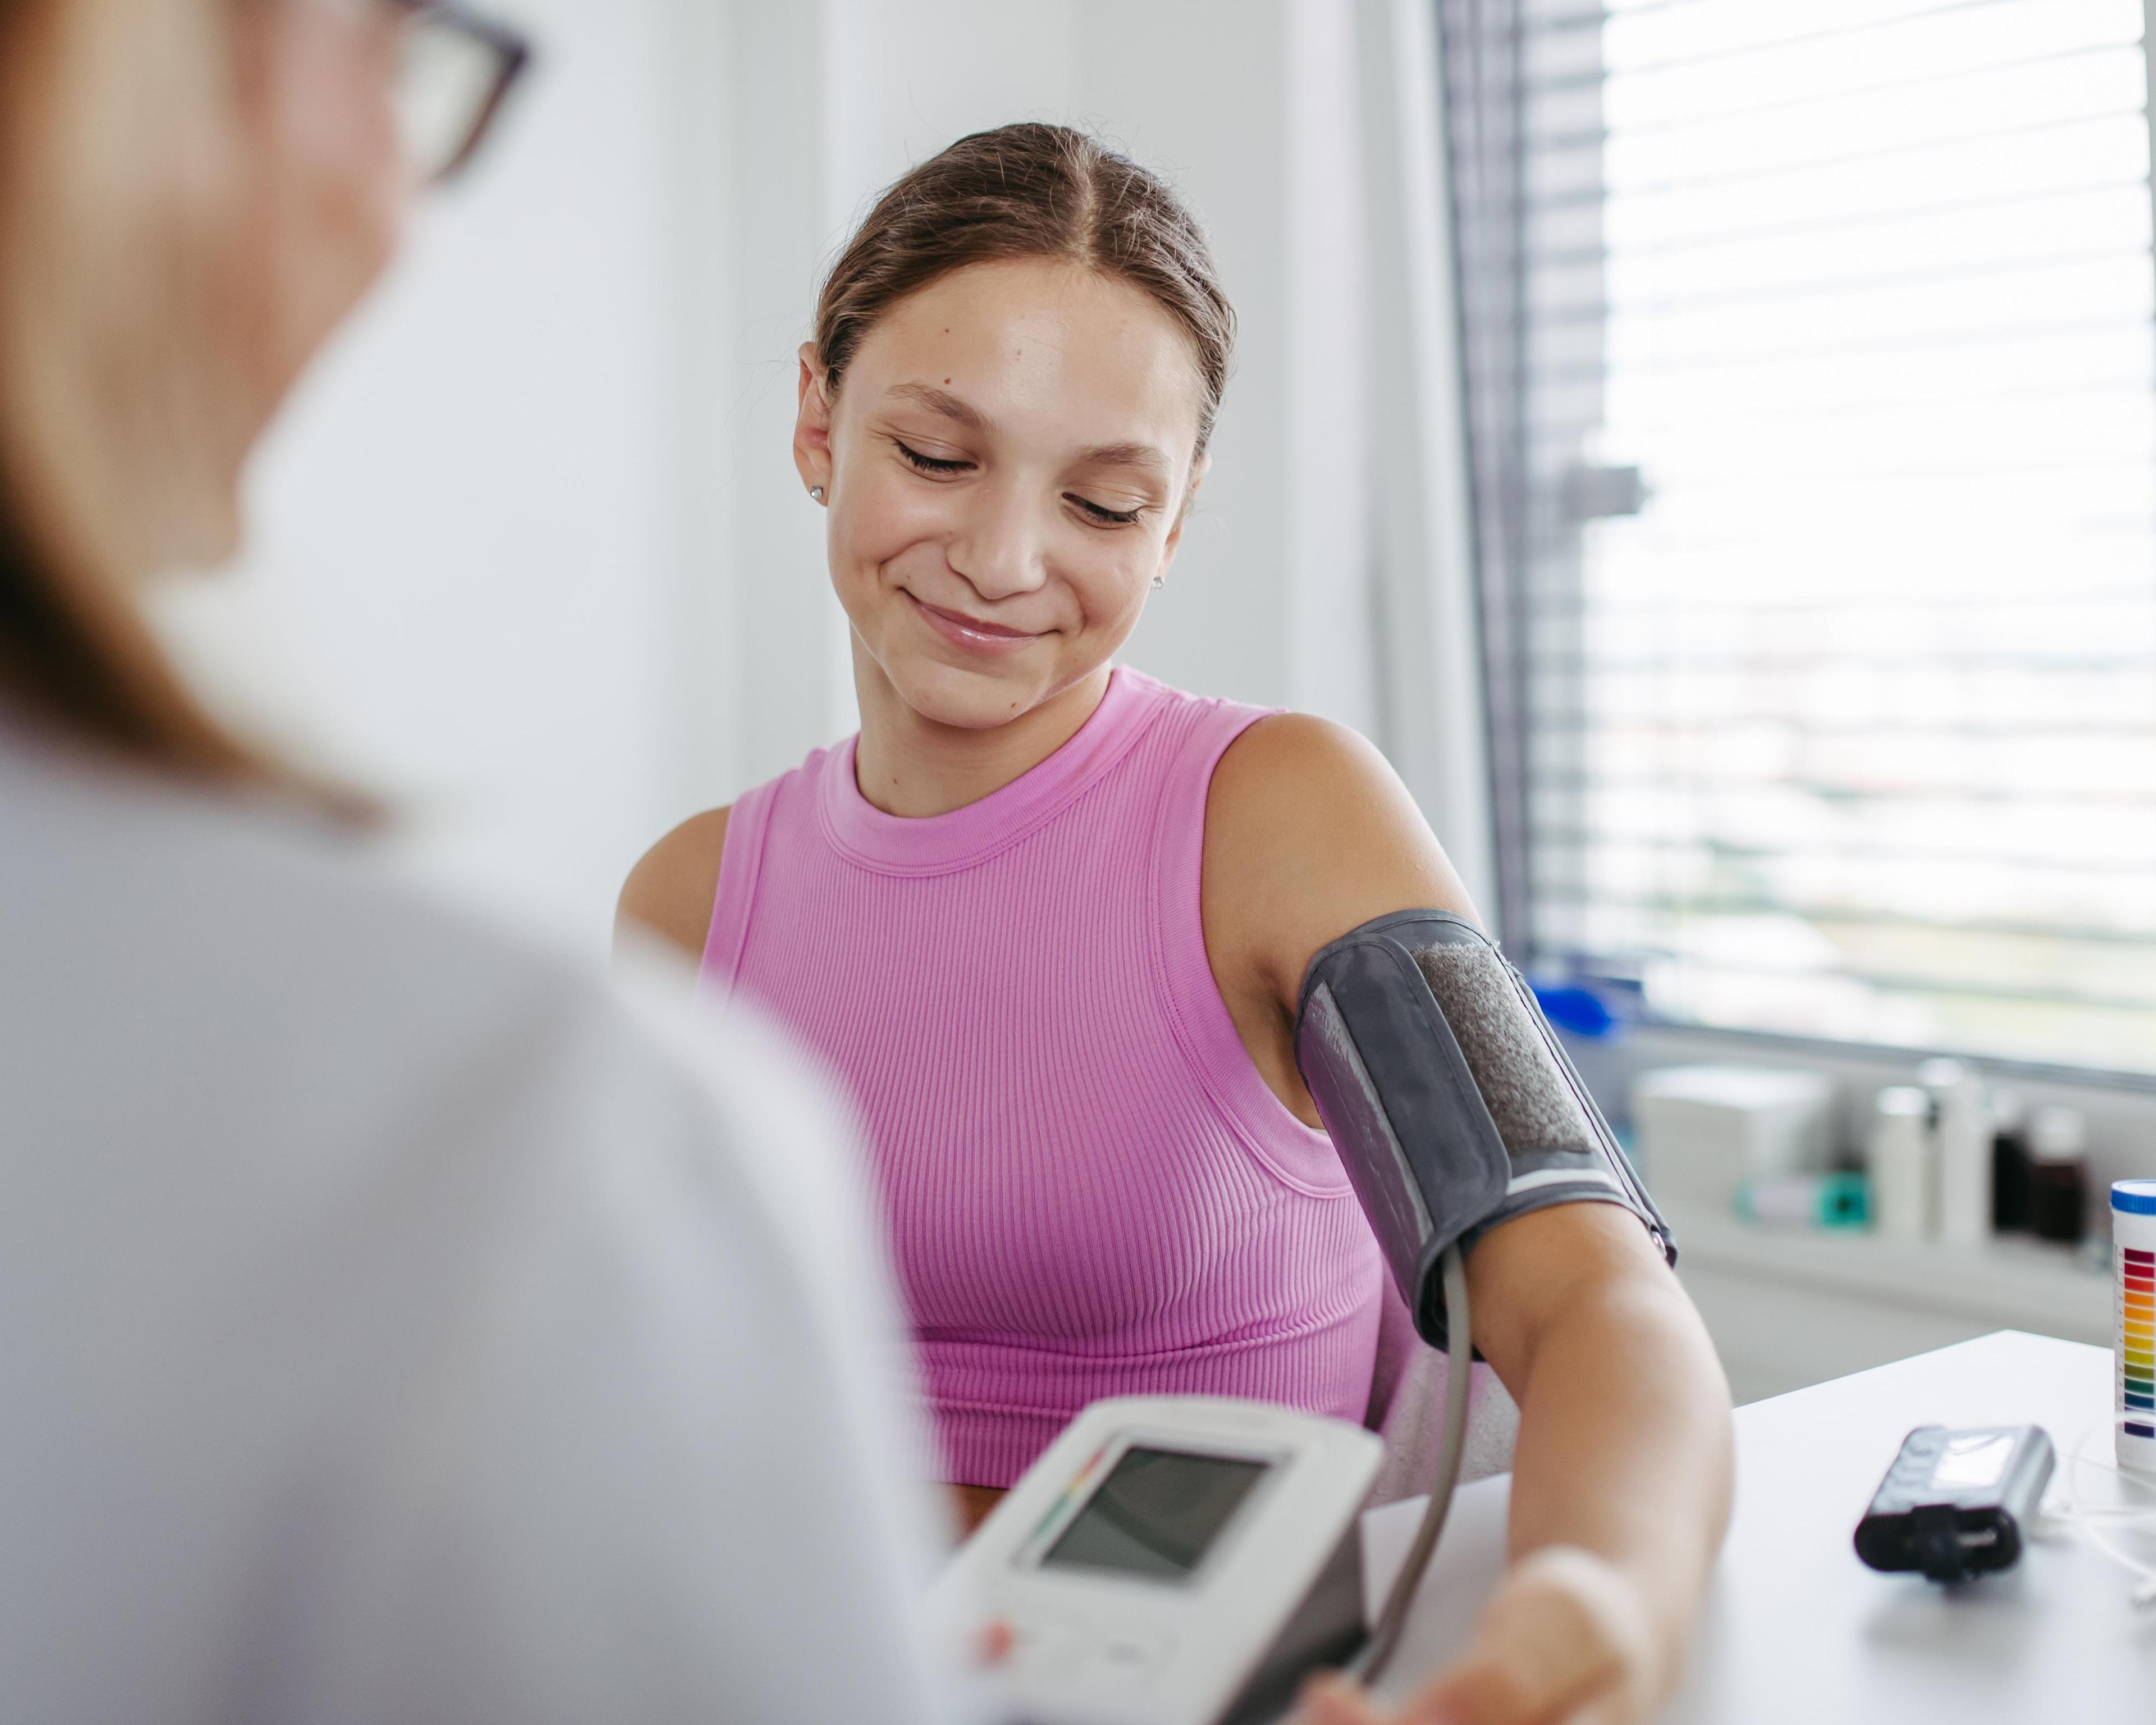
(1158, 1514)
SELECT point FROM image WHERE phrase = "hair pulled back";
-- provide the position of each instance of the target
(1031, 191)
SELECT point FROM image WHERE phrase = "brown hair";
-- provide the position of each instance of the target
(1031, 191)
(83, 658)
(75, 651)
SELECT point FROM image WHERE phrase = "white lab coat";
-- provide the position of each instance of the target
(394, 1326)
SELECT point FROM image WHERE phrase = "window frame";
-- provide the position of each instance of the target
(1482, 73)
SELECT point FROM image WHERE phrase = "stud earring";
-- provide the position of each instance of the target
(817, 493)
(1159, 581)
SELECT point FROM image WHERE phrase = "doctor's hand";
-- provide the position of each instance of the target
(1566, 1640)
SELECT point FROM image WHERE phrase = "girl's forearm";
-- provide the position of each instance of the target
(1625, 1446)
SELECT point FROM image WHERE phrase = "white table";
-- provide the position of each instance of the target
(1796, 1630)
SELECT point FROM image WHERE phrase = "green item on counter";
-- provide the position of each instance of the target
(1807, 1201)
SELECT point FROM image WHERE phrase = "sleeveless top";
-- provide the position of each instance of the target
(1090, 1189)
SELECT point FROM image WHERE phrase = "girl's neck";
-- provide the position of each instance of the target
(909, 765)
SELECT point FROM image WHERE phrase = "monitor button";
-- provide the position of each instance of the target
(1041, 1647)
(1128, 1655)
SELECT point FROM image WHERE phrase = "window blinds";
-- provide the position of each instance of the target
(1811, 367)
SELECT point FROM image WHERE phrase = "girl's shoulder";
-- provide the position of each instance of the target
(1309, 832)
(1290, 782)
(672, 890)
(674, 886)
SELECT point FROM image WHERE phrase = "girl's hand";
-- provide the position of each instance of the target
(1566, 1640)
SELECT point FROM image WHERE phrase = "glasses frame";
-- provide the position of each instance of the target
(512, 52)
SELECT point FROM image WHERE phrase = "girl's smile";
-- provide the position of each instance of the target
(971, 634)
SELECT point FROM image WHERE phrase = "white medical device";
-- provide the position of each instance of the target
(1173, 1560)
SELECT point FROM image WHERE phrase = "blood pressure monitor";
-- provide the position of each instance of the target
(1173, 1560)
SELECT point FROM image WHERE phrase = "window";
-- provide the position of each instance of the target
(1811, 360)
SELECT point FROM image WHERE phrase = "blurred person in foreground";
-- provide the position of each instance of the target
(394, 1324)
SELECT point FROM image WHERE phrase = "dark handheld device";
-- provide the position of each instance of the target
(1954, 1503)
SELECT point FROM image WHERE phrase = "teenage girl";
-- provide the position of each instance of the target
(1049, 919)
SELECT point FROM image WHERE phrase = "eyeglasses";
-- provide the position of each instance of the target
(455, 71)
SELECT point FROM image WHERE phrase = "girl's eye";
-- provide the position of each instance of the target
(1105, 517)
(930, 464)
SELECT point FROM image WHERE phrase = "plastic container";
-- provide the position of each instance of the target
(2134, 1281)
(2013, 1203)
(1962, 1123)
(1704, 1130)
(2058, 1174)
(1904, 1161)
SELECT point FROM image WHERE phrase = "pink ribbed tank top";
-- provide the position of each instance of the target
(1090, 1189)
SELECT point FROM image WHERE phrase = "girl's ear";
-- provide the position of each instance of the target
(1174, 542)
(811, 423)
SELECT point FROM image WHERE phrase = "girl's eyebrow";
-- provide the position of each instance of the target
(943, 401)
(1141, 457)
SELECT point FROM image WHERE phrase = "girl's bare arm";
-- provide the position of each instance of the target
(670, 891)
(1622, 1478)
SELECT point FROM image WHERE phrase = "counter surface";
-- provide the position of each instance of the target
(1796, 1630)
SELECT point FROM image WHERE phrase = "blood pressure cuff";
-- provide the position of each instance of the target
(1448, 1097)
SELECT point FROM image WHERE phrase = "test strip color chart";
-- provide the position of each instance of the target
(2136, 1337)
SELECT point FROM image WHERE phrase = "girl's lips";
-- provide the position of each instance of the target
(989, 639)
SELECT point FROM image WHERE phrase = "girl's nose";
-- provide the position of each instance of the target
(1000, 547)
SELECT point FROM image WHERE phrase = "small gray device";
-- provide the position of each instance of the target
(1955, 1503)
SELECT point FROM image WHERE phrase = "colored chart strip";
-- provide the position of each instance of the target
(2137, 1334)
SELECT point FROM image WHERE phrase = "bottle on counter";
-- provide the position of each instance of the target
(2058, 1174)
(1901, 1158)
(2012, 1200)
(1962, 1124)
(2133, 1283)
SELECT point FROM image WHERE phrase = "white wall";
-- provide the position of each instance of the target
(530, 550)
(468, 575)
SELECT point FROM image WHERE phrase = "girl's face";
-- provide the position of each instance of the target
(1007, 462)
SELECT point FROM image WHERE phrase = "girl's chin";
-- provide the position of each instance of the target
(962, 698)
